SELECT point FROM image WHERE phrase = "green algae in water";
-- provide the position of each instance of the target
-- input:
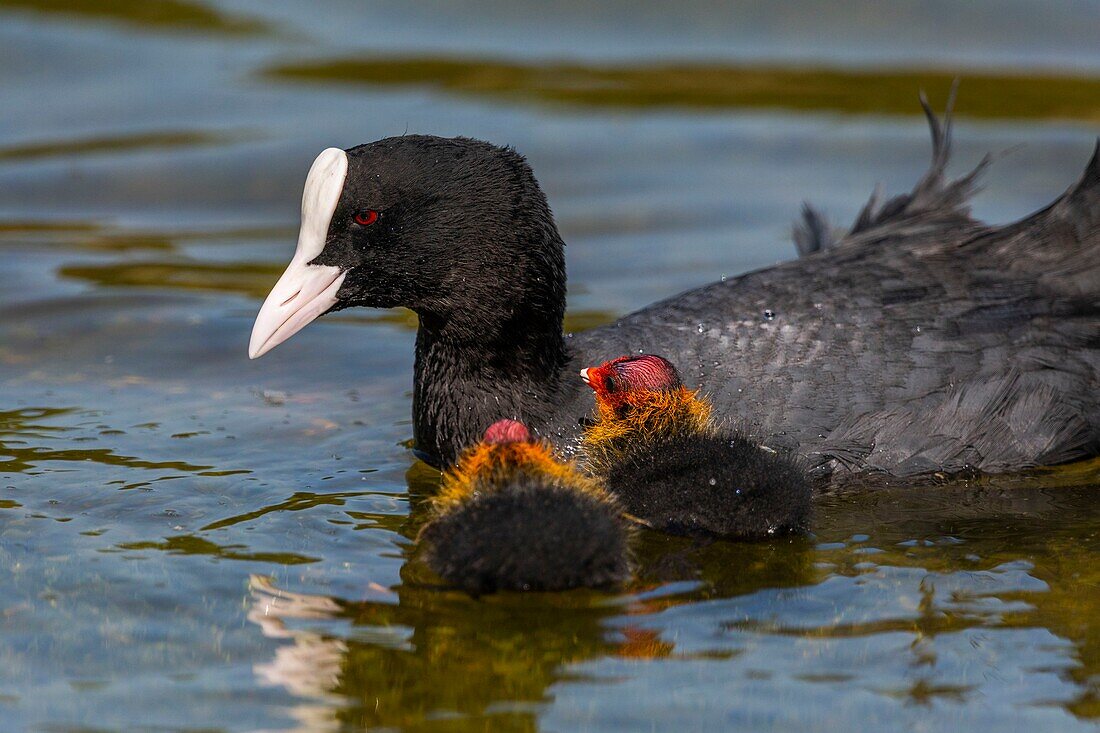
(714, 86)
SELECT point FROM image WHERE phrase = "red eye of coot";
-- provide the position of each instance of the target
(366, 218)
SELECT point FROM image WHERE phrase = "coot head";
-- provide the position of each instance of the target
(642, 392)
(507, 450)
(507, 431)
(425, 223)
(614, 381)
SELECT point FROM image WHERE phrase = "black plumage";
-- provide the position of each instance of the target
(920, 341)
(721, 485)
(534, 534)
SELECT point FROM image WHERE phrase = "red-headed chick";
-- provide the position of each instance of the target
(655, 447)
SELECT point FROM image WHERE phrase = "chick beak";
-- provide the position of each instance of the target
(585, 377)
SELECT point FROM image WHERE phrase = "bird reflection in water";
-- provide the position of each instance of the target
(421, 651)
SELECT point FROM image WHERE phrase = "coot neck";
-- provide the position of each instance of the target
(474, 369)
(490, 343)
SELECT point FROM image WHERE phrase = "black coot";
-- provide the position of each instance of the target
(921, 341)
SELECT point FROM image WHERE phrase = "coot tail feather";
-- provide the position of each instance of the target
(934, 207)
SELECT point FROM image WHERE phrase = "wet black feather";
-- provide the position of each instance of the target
(533, 534)
(709, 485)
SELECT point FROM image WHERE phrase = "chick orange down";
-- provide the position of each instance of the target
(511, 516)
(655, 447)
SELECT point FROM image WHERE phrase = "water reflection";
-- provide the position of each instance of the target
(194, 545)
(1014, 553)
(965, 601)
(84, 235)
(235, 277)
(18, 455)
(421, 655)
(419, 652)
(244, 278)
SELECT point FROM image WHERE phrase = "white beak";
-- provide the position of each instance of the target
(305, 291)
(584, 376)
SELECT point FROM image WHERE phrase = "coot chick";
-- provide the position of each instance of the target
(658, 451)
(923, 341)
(510, 516)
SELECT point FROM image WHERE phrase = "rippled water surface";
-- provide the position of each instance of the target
(192, 541)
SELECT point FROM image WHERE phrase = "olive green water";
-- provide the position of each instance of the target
(192, 541)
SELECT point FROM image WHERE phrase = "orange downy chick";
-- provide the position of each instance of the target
(656, 449)
(637, 399)
(511, 516)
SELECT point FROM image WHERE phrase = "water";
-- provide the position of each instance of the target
(197, 542)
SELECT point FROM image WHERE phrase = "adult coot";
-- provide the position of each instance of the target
(656, 448)
(510, 516)
(921, 341)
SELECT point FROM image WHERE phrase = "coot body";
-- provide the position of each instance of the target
(921, 341)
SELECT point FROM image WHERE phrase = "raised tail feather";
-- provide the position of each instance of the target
(1060, 244)
(934, 207)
